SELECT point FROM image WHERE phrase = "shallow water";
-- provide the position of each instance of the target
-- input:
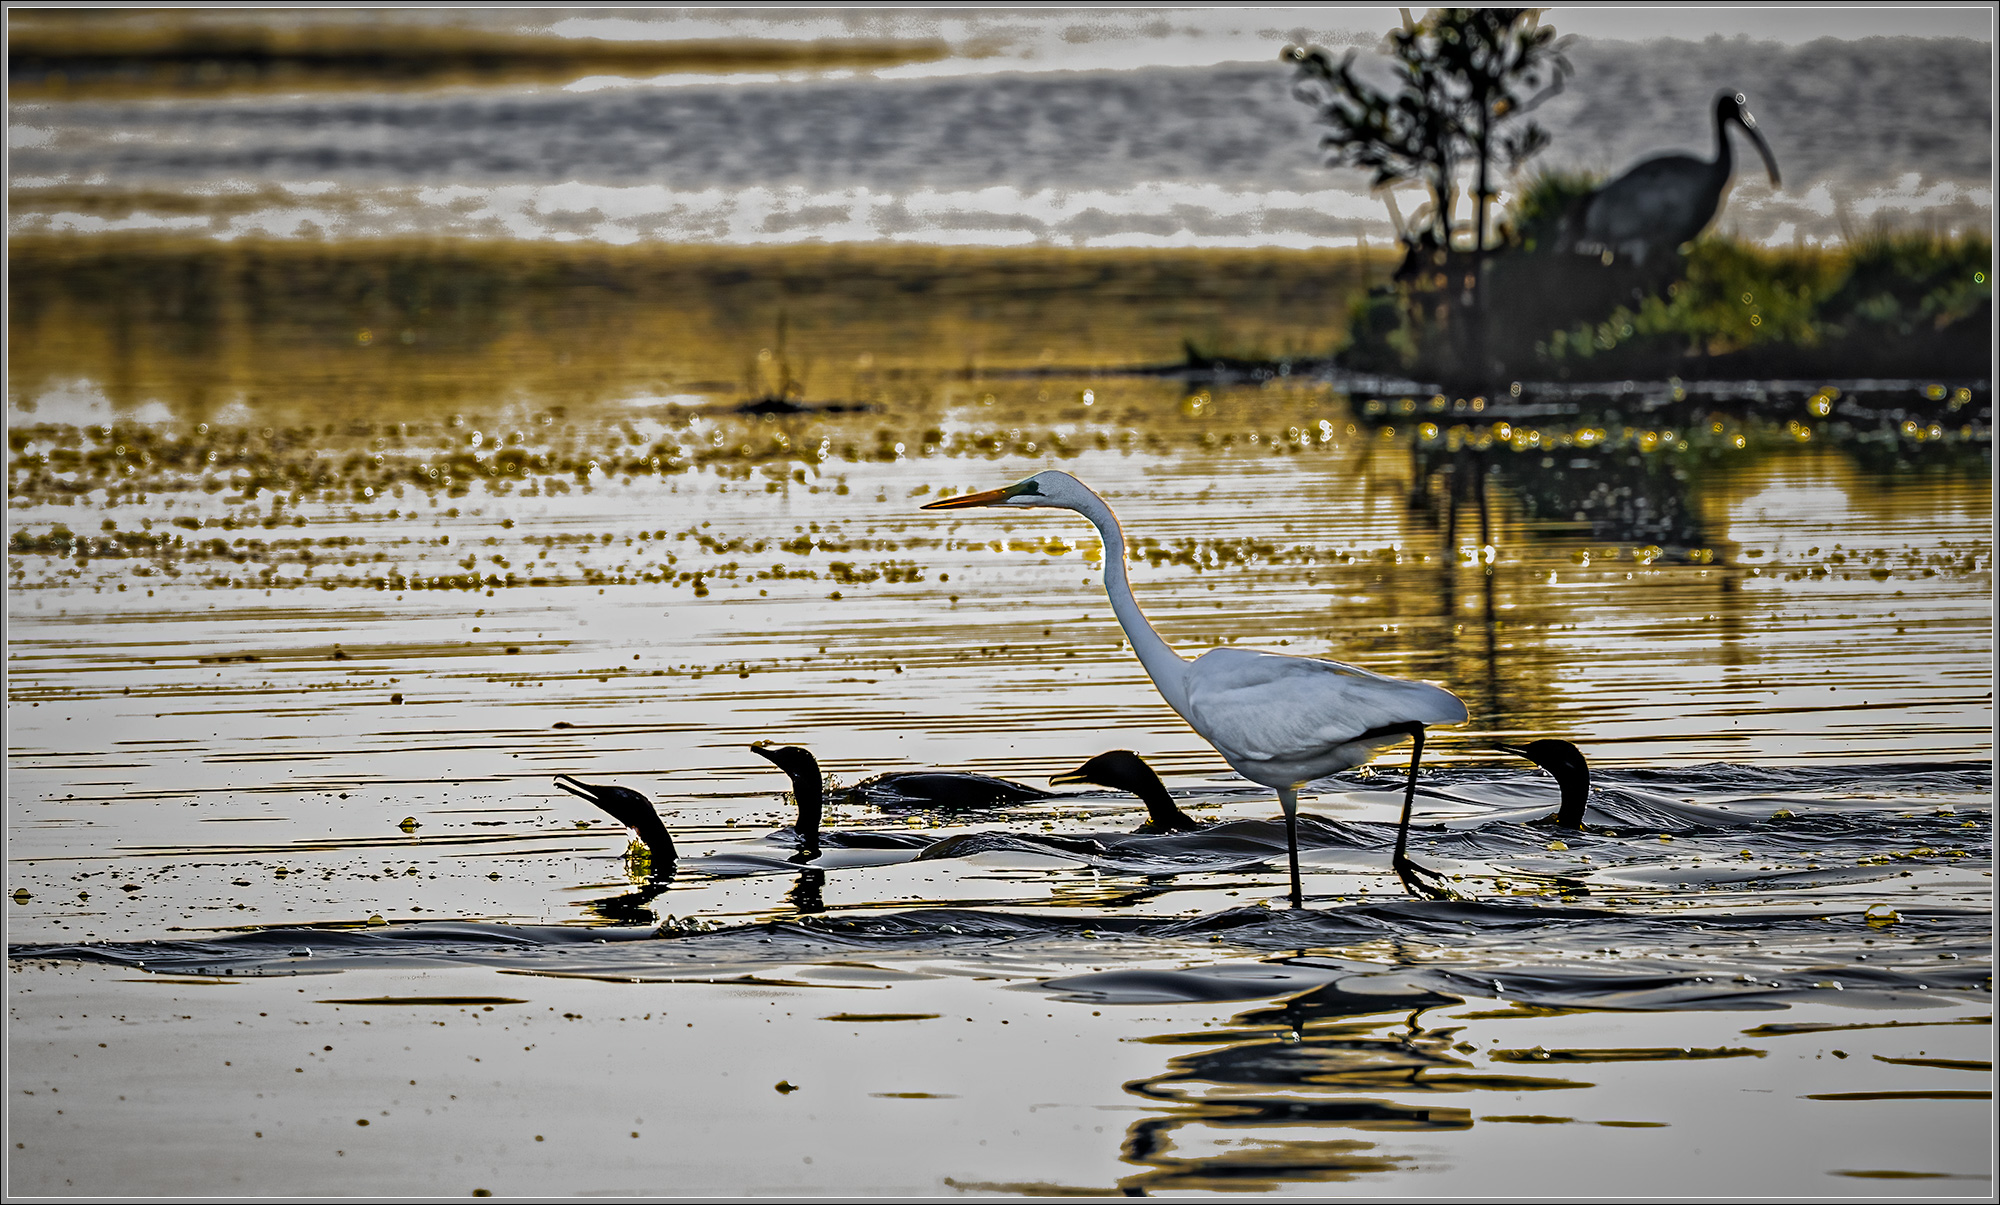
(286, 696)
(377, 453)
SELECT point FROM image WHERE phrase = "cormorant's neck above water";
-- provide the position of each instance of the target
(1566, 764)
(808, 789)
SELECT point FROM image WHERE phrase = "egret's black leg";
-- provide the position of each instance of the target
(1417, 880)
(1289, 797)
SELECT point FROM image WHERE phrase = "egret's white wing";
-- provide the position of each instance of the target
(1268, 707)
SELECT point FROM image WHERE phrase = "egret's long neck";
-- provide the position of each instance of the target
(1164, 666)
(1722, 153)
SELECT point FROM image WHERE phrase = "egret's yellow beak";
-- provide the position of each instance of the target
(1067, 778)
(982, 498)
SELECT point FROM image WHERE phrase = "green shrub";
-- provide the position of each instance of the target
(1884, 304)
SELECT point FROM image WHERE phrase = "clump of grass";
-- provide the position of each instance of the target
(1733, 296)
(1899, 284)
(1887, 304)
(1883, 304)
(1542, 218)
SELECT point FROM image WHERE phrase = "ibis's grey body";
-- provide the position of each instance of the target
(1666, 201)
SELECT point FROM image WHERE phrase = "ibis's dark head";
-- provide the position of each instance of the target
(1565, 763)
(1730, 106)
(1124, 770)
(629, 808)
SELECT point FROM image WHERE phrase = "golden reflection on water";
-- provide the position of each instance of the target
(324, 584)
(411, 331)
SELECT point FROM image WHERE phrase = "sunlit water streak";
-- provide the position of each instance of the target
(266, 707)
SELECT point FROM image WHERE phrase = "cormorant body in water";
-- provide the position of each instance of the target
(809, 790)
(900, 788)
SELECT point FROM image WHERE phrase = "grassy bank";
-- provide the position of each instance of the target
(1884, 305)
(1887, 305)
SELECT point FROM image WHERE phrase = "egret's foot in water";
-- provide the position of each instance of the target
(1423, 882)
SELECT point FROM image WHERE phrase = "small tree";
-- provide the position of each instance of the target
(1405, 136)
(1507, 64)
(1468, 79)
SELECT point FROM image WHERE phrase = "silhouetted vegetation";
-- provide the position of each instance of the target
(1886, 305)
(1474, 308)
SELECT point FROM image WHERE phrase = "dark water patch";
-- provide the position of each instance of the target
(1451, 951)
(1709, 779)
(1908, 1095)
(1887, 1174)
(1945, 1064)
(445, 1001)
(1231, 845)
(1223, 982)
(1784, 1028)
(77, 56)
(1625, 1055)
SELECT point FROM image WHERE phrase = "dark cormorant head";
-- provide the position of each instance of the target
(798, 764)
(803, 769)
(1124, 770)
(1730, 106)
(1565, 763)
(629, 808)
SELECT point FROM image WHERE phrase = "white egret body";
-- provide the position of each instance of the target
(1277, 720)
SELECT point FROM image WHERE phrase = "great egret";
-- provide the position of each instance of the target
(629, 808)
(1124, 770)
(1566, 765)
(1666, 201)
(1277, 720)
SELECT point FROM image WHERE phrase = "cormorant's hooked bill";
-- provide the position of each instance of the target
(630, 809)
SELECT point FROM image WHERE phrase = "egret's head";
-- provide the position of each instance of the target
(1051, 487)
